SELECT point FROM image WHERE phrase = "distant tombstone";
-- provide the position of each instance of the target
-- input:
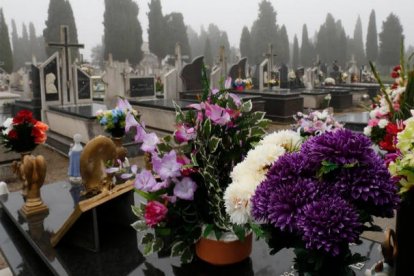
(215, 77)
(255, 75)
(142, 87)
(324, 69)
(170, 85)
(83, 86)
(283, 73)
(114, 78)
(308, 78)
(27, 94)
(335, 74)
(191, 74)
(50, 81)
(263, 75)
(238, 70)
(35, 82)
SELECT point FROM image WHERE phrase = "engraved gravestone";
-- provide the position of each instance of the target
(238, 70)
(283, 73)
(83, 84)
(191, 75)
(142, 87)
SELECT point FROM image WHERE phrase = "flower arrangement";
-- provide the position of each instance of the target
(23, 132)
(392, 106)
(184, 190)
(113, 120)
(315, 123)
(320, 199)
(240, 84)
(249, 173)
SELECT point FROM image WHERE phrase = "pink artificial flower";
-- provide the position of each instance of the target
(130, 121)
(373, 122)
(183, 134)
(217, 114)
(236, 99)
(227, 83)
(123, 104)
(155, 212)
(185, 189)
(150, 142)
(167, 166)
(183, 160)
(145, 181)
(214, 91)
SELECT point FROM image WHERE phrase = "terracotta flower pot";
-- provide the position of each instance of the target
(224, 253)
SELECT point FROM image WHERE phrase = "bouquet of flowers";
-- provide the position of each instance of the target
(113, 120)
(320, 199)
(392, 107)
(190, 171)
(240, 84)
(315, 123)
(23, 132)
(249, 173)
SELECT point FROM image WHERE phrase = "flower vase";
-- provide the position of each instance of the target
(405, 237)
(217, 252)
(17, 170)
(121, 151)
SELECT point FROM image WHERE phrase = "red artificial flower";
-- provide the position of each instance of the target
(390, 138)
(24, 116)
(155, 212)
(12, 134)
(39, 132)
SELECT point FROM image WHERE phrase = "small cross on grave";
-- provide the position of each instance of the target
(269, 55)
(65, 45)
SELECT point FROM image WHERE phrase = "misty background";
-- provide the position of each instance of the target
(229, 16)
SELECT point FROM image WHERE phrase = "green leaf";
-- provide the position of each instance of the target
(194, 159)
(213, 143)
(147, 249)
(207, 230)
(163, 148)
(147, 238)
(157, 245)
(257, 230)
(239, 231)
(207, 128)
(326, 168)
(187, 255)
(257, 131)
(139, 225)
(177, 248)
(163, 231)
(247, 106)
(350, 165)
(137, 211)
(167, 139)
(258, 116)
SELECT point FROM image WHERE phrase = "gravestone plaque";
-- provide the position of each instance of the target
(283, 73)
(191, 74)
(142, 87)
(50, 72)
(83, 84)
(238, 70)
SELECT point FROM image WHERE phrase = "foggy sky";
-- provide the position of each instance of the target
(229, 15)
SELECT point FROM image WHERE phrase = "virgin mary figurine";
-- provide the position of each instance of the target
(74, 159)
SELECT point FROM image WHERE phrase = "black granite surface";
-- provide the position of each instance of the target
(162, 104)
(354, 121)
(87, 111)
(28, 252)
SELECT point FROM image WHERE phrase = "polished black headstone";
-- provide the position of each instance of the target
(87, 111)
(191, 75)
(283, 73)
(84, 85)
(354, 121)
(238, 70)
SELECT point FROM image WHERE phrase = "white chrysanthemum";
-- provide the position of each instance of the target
(373, 114)
(367, 130)
(264, 154)
(322, 115)
(237, 202)
(8, 125)
(382, 123)
(288, 139)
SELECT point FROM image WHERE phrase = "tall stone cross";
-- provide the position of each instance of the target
(65, 45)
(223, 62)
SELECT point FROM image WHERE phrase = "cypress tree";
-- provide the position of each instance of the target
(156, 30)
(283, 55)
(390, 41)
(295, 58)
(246, 44)
(358, 44)
(176, 32)
(33, 40)
(60, 13)
(25, 44)
(122, 31)
(6, 55)
(195, 43)
(17, 49)
(371, 45)
(264, 31)
(208, 55)
(306, 50)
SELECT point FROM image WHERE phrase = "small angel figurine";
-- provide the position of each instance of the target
(74, 159)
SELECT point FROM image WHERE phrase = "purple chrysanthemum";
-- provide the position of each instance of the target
(329, 223)
(341, 147)
(369, 186)
(285, 191)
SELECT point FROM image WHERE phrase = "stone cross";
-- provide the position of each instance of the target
(269, 55)
(65, 45)
(223, 61)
